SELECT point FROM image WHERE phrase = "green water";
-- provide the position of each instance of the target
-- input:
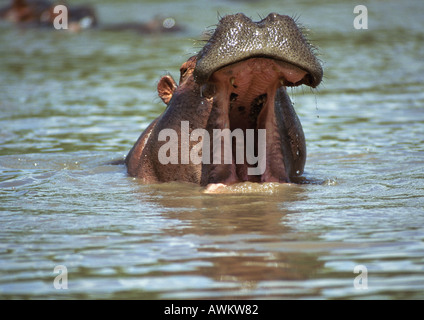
(71, 103)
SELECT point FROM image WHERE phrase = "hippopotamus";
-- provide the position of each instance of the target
(229, 119)
(40, 13)
(79, 17)
(25, 11)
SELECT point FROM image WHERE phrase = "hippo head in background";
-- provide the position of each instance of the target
(24, 11)
(230, 119)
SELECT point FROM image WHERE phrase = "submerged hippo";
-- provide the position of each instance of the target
(156, 25)
(230, 119)
(79, 17)
(41, 13)
(25, 11)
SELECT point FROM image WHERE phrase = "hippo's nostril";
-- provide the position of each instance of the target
(309, 80)
(272, 16)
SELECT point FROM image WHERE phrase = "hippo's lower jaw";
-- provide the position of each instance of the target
(251, 94)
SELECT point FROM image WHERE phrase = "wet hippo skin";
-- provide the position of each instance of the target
(238, 82)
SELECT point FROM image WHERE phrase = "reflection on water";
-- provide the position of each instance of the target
(72, 103)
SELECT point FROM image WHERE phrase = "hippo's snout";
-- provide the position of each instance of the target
(276, 37)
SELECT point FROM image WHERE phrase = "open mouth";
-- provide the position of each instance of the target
(244, 68)
(244, 95)
(247, 89)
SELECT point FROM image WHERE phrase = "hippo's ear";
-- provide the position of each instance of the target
(166, 88)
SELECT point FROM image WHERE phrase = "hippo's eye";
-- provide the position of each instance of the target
(183, 71)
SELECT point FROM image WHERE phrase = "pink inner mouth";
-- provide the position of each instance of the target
(244, 94)
(246, 82)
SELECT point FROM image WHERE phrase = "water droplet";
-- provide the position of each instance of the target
(331, 182)
(168, 23)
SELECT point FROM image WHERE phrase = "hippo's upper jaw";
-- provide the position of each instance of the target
(237, 84)
(276, 37)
